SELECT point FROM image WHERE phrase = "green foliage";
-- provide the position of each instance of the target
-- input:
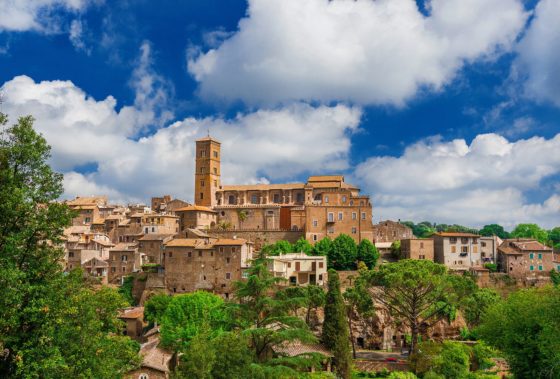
(554, 236)
(525, 328)
(343, 254)
(396, 249)
(402, 375)
(481, 356)
(323, 247)
(555, 277)
(494, 230)
(266, 323)
(155, 307)
(303, 246)
(492, 267)
(199, 358)
(449, 359)
(367, 253)
(474, 306)
(335, 334)
(187, 314)
(278, 248)
(52, 325)
(530, 231)
(415, 292)
(235, 358)
(126, 290)
(422, 230)
(359, 303)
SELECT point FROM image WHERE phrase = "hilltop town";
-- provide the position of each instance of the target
(173, 246)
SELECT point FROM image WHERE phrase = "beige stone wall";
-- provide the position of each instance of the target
(263, 218)
(333, 220)
(119, 268)
(259, 237)
(519, 266)
(417, 249)
(389, 231)
(153, 249)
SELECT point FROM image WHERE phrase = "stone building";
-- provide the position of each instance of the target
(151, 246)
(525, 258)
(417, 248)
(88, 209)
(389, 231)
(323, 206)
(205, 264)
(82, 247)
(489, 249)
(196, 216)
(159, 223)
(300, 269)
(166, 205)
(123, 260)
(458, 251)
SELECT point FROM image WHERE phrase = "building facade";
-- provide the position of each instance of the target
(457, 251)
(417, 248)
(300, 269)
(390, 231)
(525, 258)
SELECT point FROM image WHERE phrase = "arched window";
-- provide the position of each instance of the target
(143, 376)
(231, 199)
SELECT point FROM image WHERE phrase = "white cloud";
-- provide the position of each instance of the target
(260, 146)
(454, 182)
(364, 51)
(539, 54)
(23, 15)
(77, 37)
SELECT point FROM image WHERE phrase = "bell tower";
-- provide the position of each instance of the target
(207, 171)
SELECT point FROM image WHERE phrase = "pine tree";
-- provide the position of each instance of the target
(335, 329)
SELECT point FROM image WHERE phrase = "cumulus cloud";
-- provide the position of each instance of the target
(364, 51)
(539, 54)
(259, 146)
(452, 181)
(23, 15)
(77, 36)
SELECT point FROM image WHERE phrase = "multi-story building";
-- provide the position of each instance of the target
(390, 231)
(123, 260)
(196, 216)
(85, 246)
(323, 206)
(205, 264)
(458, 251)
(417, 248)
(489, 249)
(151, 246)
(525, 258)
(300, 269)
(159, 224)
(88, 209)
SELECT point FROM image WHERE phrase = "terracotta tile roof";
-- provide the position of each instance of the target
(155, 357)
(87, 200)
(137, 215)
(293, 349)
(325, 178)
(155, 237)
(98, 221)
(208, 138)
(524, 245)
(509, 250)
(262, 187)
(194, 208)
(95, 262)
(113, 217)
(455, 234)
(200, 243)
(184, 242)
(124, 246)
(78, 229)
(229, 242)
(104, 243)
(132, 313)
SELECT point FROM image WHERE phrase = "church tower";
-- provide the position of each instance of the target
(207, 171)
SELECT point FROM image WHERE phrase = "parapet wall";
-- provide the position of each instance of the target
(259, 237)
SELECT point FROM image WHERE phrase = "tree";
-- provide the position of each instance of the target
(278, 248)
(475, 305)
(187, 314)
(323, 247)
(303, 246)
(235, 358)
(554, 236)
(315, 298)
(530, 231)
(199, 358)
(494, 230)
(343, 254)
(367, 253)
(335, 334)
(525, 328)
(396, 249)
(265, 322)
(51, 324)
(358, 303)
(155, 307)
(416, 292)
(242, 215)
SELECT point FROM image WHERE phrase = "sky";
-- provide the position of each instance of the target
(440, 110)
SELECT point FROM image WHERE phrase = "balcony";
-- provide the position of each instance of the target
(463, 254)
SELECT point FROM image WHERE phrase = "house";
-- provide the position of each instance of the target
(97, 268)
(489, 249)
(456, 250)
(417, 248)
(300, 269)
(157, 362)
(390, 231)
(151, 246)
(525, 258)
(87, 208)
(196, 217)
(159, 223)
(205, 264)
(134, 322)
(124, 259)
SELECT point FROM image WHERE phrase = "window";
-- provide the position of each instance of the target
(228, 275)
(354, 230)
(202, 183)
(123, 269)
(315, 223)
(221, 249)
(215, 171)
(231, 200)
(330, 217)
(245, 274)
(71, 254)
(143, 376)
(271, 213)
(202, 170)
(201, 196)
(233, 250)
(227, 260)
(531, 256)
(363, 215)
(464, 240)
(170, 254)
(321, 264)
(453, 249)
(289, 265)
(330, 230)
(540, 256)
(124, 258)
(211, 253)
(276, 198)
(531, 268)
(113, 269)
(153, 229)
(314, 237)
(189, 254)
(540, 267)
(215, 154)
(464, 249)
(340, 216)
(200, 253)
(421, 245)
(354, 216)
(453, 240)
(254, 199)
(202, 153)
(344, 199)
(483, 244)
(351, 202)
(88, 219)
(326, 199)
(421, 257)
(475, 249)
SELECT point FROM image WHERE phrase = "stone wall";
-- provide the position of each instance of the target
(259, 237)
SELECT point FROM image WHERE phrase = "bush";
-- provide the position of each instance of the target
(492, 267)
(126, 289)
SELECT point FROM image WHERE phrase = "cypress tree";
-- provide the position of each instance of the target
(335, 329)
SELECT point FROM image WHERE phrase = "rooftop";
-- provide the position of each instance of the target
(456, 234)
(191, 208)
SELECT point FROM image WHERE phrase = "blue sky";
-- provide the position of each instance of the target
(446, 111)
